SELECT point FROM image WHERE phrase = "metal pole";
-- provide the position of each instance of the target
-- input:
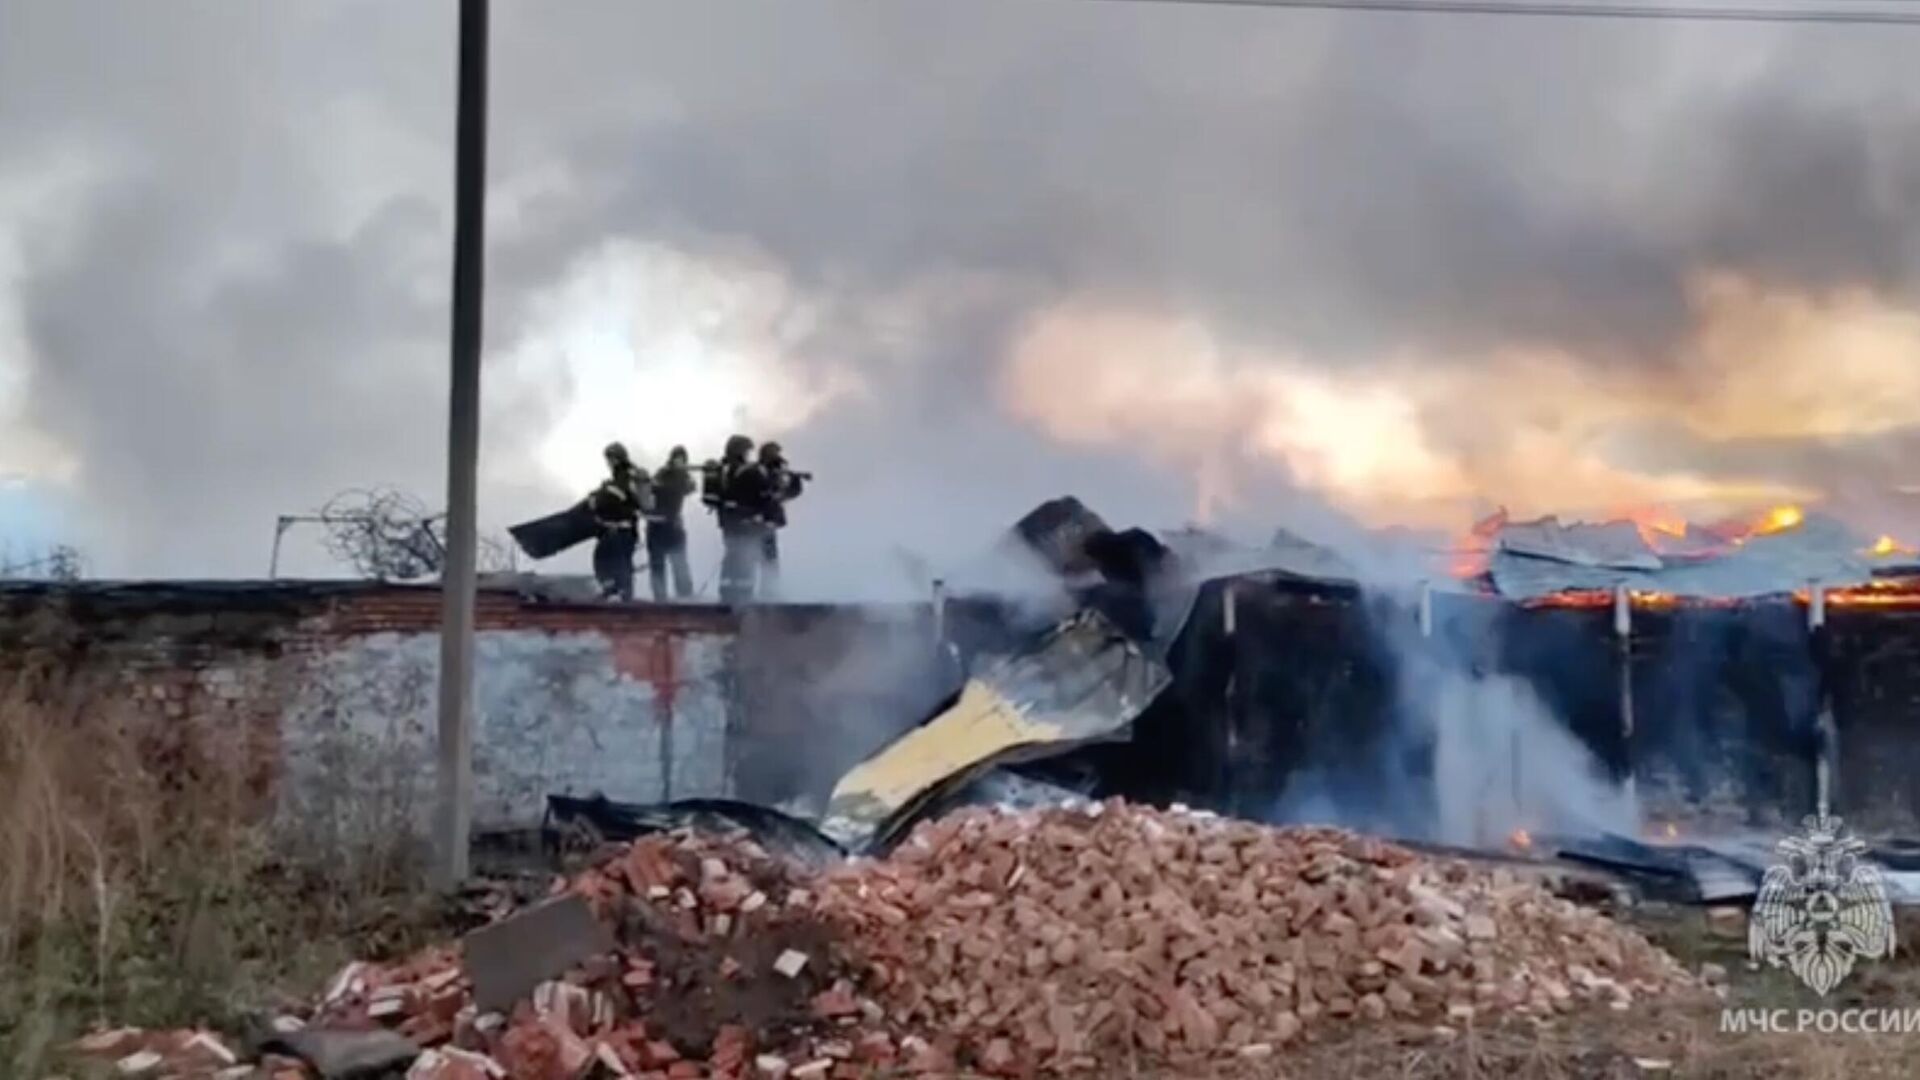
(1827, 732)
(455, 810)
(1230, 741)
(280, 528)
(1623, 637)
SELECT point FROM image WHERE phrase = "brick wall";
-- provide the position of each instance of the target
(320, 697)
(324, 695)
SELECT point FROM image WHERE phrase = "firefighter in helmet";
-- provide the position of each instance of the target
(727, 490)
(666, 530)
(616, 506)
(773, 484)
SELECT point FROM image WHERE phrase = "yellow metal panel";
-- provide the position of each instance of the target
(981, 725)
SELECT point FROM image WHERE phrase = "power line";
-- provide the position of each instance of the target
(1570, 10)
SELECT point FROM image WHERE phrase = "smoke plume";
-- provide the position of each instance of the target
(1241, 265)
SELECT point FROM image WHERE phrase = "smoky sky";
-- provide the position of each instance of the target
(230, 301)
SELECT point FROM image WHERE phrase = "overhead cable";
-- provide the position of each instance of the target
(1577, 10)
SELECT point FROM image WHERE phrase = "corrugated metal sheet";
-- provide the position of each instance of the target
(1086, 682)
(1615, 545)
(1820, 551)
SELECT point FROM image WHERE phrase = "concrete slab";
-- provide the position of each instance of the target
(507, 960)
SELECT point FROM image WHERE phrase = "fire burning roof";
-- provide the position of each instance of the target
(1545, 558)
(1656, 557)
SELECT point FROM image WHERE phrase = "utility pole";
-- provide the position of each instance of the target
(455, 774)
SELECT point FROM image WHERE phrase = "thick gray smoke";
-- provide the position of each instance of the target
(1503, 764)
(1461, 751)
(223, 240)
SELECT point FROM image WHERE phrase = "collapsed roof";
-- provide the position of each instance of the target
(1521, 561)
(1545, 557)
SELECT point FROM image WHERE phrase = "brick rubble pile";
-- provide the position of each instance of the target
(724, 969)
(1058, 938)
(1008, 943)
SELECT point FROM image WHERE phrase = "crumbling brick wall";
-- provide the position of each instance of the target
(329, 692)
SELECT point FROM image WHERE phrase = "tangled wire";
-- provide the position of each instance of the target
(389, 535)
(62, 563)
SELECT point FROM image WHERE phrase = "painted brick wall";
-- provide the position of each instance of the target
(327, 692)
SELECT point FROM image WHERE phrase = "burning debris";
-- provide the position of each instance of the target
(1059, 941)
(1659, 558)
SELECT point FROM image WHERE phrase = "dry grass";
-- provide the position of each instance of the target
(142, 882)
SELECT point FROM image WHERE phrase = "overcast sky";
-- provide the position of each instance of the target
(1268, 267)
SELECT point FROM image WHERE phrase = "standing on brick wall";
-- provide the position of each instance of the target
(617, 505)
(666, 530)
(771, 483)
(724, 492)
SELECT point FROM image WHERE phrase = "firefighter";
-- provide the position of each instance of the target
(666, 530)
(726, 490)
(616, 506)
(773, 484)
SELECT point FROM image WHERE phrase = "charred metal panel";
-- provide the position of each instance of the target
(1311, 705)
(1285, 686)
(1727, 700)
(1571, 658)
(1874, 666)
(1312, 709)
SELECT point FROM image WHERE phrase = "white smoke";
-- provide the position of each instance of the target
(1503, 763)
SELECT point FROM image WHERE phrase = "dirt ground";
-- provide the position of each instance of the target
(1655, 1041)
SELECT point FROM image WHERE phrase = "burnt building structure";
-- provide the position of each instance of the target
(1294, 697)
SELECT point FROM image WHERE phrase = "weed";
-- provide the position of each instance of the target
(144, 880)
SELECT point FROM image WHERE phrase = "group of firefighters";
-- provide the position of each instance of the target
(747, 493)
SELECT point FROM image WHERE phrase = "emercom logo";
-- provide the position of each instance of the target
(1823, 1021)
(1822, 908)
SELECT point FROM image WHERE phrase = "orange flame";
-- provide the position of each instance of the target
(1521, 839)
(1661, 529)
(1888, 546)
(1879, 594)
(1598, 598)
(1470, 555)
(1658, 527)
